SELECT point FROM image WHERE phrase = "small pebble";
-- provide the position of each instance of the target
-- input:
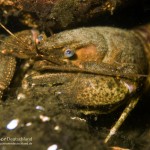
(12, 124)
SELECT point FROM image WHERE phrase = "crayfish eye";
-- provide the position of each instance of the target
(68, 53)
(39, 39)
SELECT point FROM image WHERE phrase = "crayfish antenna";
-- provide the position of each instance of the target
(18, 40)
(8, 31)
(24, 48)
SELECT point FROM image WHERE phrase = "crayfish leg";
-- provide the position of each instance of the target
(122, 118)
